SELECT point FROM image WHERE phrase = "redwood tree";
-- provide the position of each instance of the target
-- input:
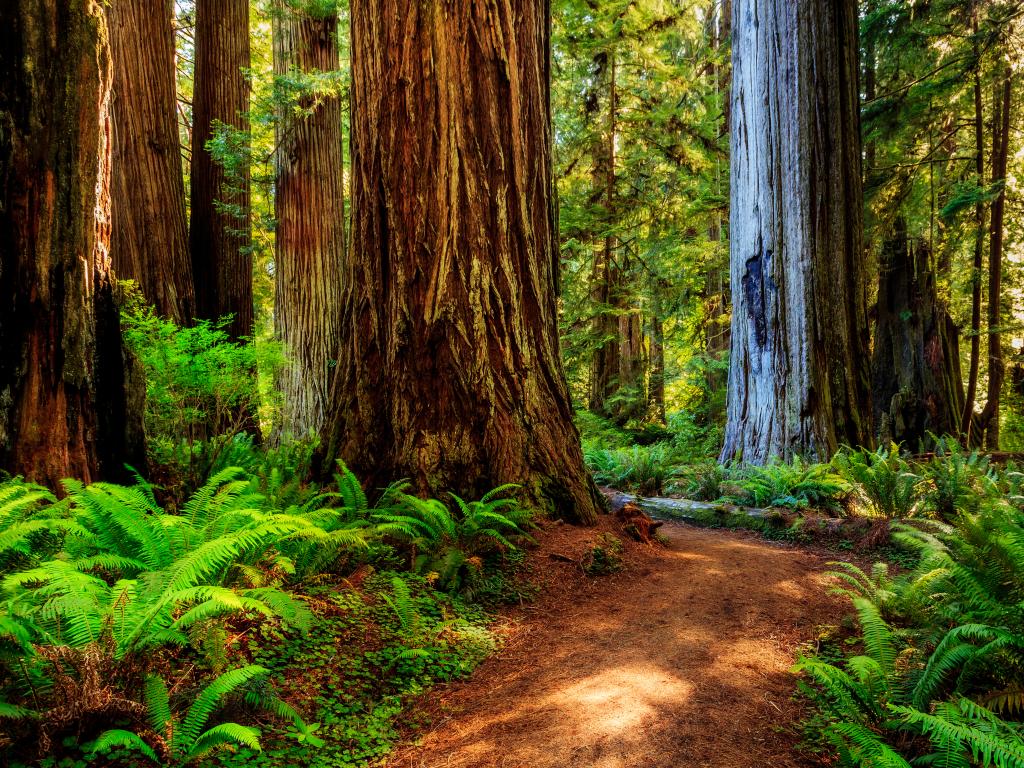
(310, 211)
(450, 372)
(62, 392)
(798, 382)
(219, 234)
(149, 241)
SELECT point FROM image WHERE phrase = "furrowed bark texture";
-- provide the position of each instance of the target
(798, 382)
(149, 241)
(62, 398)
(219, 237)
(916, 382)
(450, 371)
(310, 235)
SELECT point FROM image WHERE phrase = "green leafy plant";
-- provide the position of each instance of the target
(644, 468)
(883, 480)
(182, 739)
(959, 481)
(940, 680)
(797, 484)
(452, 545)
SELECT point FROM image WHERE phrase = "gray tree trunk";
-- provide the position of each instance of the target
(798, 383)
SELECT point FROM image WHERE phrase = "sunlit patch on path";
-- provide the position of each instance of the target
(682, 665)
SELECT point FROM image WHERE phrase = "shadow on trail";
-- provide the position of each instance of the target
(682, 663)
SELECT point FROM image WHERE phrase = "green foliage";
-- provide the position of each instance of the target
(940, 678)
(959, 481)
(449, 545)
(182, 739)
(604, 557)
(201, 388)
(645, 469)
(798, 484)
(883, 480)
(367, 653)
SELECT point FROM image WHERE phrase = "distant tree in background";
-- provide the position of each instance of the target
(310, 211)
(149, 239)
(219, 233)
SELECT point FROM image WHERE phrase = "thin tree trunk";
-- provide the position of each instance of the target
(62, 389)
(450, 371)
(1000, 156)
(798, 382)
(219, 234)
(149, 241)
(605, 380)
(967, 420)
(310, 233)
(656, 391)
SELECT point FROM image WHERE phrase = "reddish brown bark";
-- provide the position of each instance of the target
(62, 400)
(450, 371)
(149, 242)
(310, 233)
(799, 378)
(219, 235)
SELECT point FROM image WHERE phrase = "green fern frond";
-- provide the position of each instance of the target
(124, 739)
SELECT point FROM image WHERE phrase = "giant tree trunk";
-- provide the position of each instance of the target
(916, 382)
(798, 382)
(62, 394)
(450, 371)
(310, 235)
(149, 240)
(220, 231)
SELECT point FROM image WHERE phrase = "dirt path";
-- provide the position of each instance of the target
(680, 662)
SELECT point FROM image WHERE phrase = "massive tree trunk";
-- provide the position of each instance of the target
(220, 226)
(149, 240)
(310, 210)
(450, 371)
(62, 393)
(798, 381)
(916, 382)
(1000, 156)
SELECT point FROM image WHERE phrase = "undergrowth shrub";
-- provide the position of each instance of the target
(797, 484)
(643, 468)
(884, 482)
(940, 680)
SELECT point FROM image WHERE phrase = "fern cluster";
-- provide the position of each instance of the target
(104, 592)
(96, 587)
(940, 680)
(448, 543)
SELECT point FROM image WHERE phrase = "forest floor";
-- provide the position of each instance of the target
(681, 660)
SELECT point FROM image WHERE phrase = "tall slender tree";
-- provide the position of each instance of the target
(310, 212)
(62, 390)
(798, 382)
(149, 239)
(450, 372)
(219, 235)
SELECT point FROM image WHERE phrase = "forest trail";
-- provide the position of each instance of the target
(681, 661)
